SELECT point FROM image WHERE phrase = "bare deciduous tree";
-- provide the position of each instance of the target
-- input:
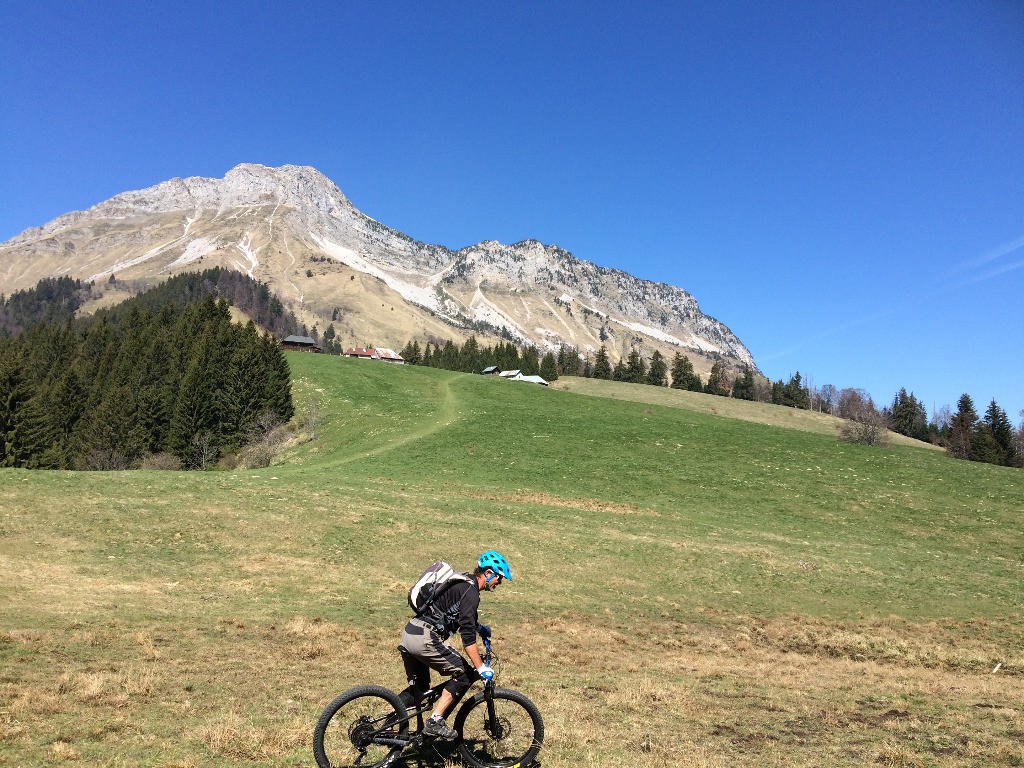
(853, 403)
(762, 389)
(1018, 442)
(828, 398)
(203, 452)
(943, 417)
(104, 460)
(869, 427)
(262, 441)
(314, 412)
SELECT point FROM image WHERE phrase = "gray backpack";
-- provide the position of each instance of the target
(432, 583)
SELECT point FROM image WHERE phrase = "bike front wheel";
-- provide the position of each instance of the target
(509, 734)
(359, 728)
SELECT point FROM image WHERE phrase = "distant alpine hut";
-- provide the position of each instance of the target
(530, 379)
(510, 374)
(361, 352)
(380, 353)
(491, 370)
(301, 344)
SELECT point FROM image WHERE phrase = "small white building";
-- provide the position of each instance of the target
(530, 379)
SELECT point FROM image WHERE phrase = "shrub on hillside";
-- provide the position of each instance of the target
(866, 427)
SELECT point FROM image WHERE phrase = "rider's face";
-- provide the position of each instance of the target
(492, 580)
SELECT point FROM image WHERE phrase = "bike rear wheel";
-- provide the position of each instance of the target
(351, 731)
(512, 738)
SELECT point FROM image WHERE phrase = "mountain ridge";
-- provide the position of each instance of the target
(294, 228)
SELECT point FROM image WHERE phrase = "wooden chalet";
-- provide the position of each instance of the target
(301, 344)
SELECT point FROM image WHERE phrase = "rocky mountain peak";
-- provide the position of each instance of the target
(294, 229)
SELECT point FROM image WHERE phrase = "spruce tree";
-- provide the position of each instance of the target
(549, 367)
(277, 391)
(602, 366)
(449, 356)
(619, 372)
(245, 387)
(658, 372)
(469, 356)
(743, 387)
(407, 354)
(962, 429)
(33, 441)
(636, 368)
(907, 416)
(110, 436)
(195, 418)
(65, 400)
(530, 365)
(14, 394)
(998, 424)
(795, 394)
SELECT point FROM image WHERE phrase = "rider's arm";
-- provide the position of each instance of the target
(474, 655)
(468, 625)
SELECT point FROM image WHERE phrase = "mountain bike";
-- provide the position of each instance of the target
(369, 726)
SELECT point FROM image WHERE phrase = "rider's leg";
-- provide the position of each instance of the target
(463, 675)
(418, 675)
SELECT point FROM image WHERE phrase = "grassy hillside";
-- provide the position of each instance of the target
(689, 589)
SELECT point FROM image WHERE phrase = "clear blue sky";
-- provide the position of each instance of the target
(842, 184)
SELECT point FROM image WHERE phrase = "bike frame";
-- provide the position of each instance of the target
(430, 696)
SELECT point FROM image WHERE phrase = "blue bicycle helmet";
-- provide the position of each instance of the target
(496, 562)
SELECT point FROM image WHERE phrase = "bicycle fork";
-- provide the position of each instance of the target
(493, 725)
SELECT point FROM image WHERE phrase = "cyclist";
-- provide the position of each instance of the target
(424, 647)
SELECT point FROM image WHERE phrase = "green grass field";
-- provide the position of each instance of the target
(695, 585)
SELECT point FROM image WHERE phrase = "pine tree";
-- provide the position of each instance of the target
(194, 417)
(962, 429)
(14, 394)
(602, 366)
(66, 406)
(743, 387)
(32, 442)
(549, 367)
(908, 416)
(568, 361)
(998, 424)
(469, 356)
(277, 391)
(681, 370)
(636, 369)
(245, 388)
(110, 436)
(449, 356)
(795, 394)
(718, 380)
(658, 372)
(530, 365)
(407, 354)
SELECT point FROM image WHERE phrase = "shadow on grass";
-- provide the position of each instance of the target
(437, 755)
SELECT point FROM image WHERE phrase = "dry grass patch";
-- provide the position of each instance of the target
(63, 752)
(237, 737)
(906, 645)
(548, 500)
